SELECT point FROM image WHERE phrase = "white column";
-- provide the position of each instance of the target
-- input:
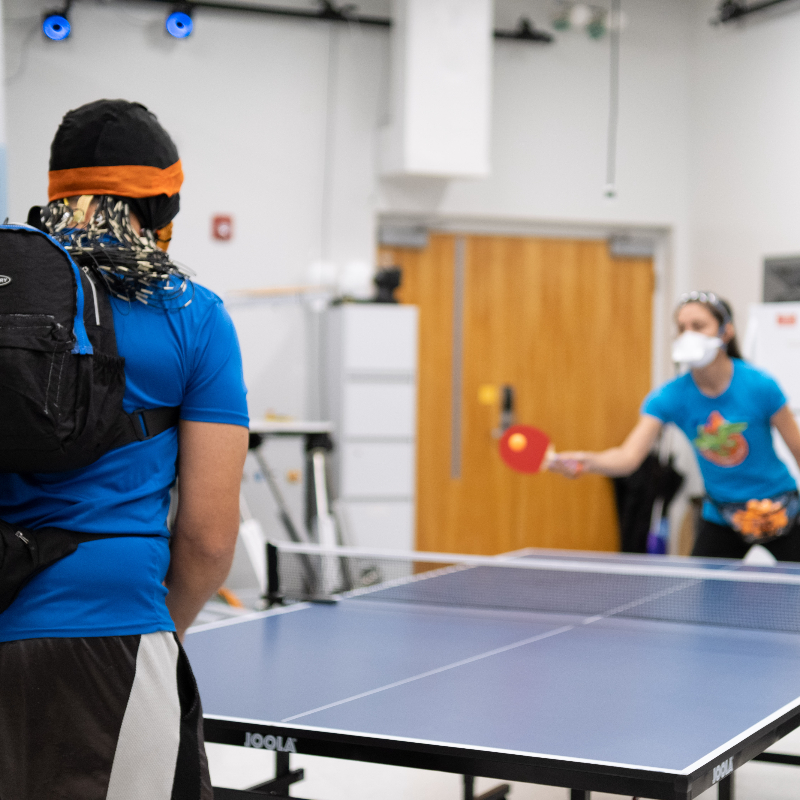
(441, 89)
(3, 163)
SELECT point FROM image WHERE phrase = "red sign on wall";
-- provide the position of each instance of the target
(222, 227)
(787, 319)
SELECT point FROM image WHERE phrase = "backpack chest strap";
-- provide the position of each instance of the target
(145, 423)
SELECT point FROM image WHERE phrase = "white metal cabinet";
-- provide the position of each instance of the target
(376, 410)
(369, 358)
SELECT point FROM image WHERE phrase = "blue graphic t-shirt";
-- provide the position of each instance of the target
(112, 587)
(731, 434)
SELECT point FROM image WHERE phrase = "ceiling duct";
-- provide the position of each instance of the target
(441, 89)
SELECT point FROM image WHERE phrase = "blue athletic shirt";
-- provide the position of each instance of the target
(731, 434)
(113, 587)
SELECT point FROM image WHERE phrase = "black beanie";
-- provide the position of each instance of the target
(117, 148)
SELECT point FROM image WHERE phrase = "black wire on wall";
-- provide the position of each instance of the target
(730, 10)
(330, 12)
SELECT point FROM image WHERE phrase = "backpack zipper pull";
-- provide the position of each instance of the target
(29, 544)
(94, 294)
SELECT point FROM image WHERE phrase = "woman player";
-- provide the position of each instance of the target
(727, 408)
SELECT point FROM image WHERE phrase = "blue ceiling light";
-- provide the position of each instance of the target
(55, 25)
(179, 24)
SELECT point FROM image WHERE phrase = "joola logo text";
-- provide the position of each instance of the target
(4, 280)
(723, 770)
(270, 742)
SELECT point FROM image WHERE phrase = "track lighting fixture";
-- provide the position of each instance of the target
(179, 22)
(55, 24)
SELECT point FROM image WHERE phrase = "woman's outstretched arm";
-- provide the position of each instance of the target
(784, 421)
(616, 461)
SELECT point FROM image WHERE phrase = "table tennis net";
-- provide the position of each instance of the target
(717, 594)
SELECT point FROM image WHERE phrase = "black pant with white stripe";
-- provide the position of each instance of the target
(100, 718)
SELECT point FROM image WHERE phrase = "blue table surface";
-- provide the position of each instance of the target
(653, 694)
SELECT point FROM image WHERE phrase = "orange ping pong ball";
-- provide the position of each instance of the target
(517, 442)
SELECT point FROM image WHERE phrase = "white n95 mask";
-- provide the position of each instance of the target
(692, 349)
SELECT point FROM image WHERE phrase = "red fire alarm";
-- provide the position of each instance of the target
(222, 227)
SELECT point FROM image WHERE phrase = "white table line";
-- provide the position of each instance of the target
(445, 668)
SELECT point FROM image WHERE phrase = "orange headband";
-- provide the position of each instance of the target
(127, 181)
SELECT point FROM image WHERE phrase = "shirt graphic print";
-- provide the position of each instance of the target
(721, 442)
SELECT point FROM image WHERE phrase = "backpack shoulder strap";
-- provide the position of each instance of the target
(94, 323)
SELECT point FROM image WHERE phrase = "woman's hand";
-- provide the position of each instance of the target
(571, 463)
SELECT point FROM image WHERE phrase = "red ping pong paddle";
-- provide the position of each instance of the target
(526, 449)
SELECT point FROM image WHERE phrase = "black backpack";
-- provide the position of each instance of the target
(61, 378)
(61, 386)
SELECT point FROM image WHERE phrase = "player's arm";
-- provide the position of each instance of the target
(210, 463)
(616, 461)
(785, 423)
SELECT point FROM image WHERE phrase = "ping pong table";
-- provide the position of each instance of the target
(586, 672)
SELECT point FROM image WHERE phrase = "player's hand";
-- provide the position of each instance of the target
(569, 463)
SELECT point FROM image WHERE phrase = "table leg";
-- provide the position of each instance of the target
(285, 776)
(246, 794)
(469, 787)
(496, 793)
(578, 794)
(725, 791)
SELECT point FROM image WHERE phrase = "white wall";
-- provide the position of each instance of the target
(549, 125)
(745, 159)
(549, 142)
(247, 99)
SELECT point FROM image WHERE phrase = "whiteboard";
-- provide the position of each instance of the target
(772, 342)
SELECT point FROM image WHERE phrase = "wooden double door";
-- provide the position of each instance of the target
(564, 324)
